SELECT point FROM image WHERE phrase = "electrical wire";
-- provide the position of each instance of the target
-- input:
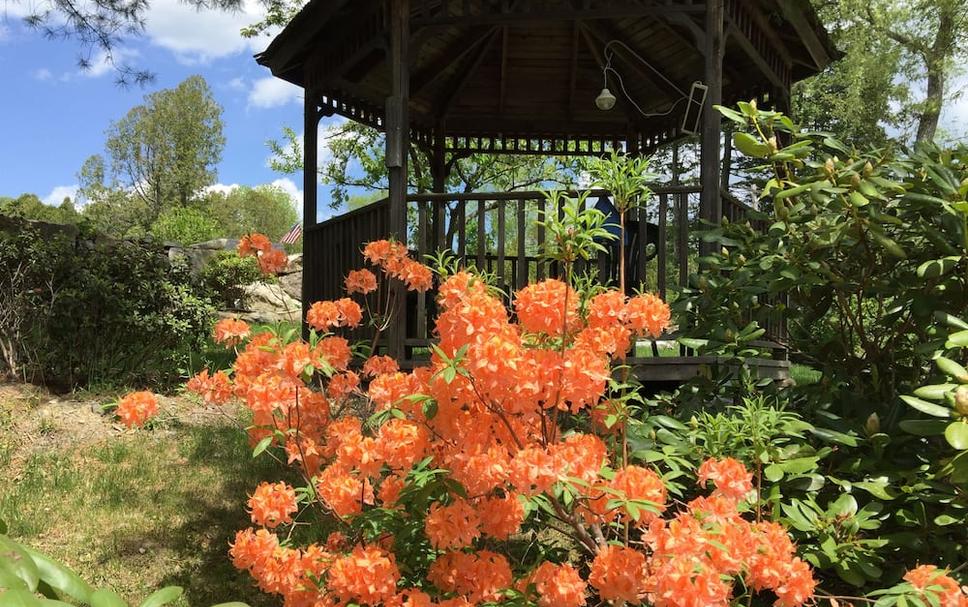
(609, 54)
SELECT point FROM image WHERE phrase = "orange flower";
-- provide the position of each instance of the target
(342, 384)
(478, 577)
(648, 315)
(558, 585)
(541, 307)
(606, 310)
(729, 475)
(501, 517)
(342, 492)
(273, 261)
(368, 576)
(619, 573)
(533, 471)
(272, 504)
(136, 408)
(930, 579)
(379, 365)
(390, 490)
(453, 526)
(388, 255)
(689, 582)
(335, 351)
(230, 331)
(325, 315)
(252, 244)
(214, 390)
(402, 442)
(640, 484)
(350, 314)
(417, 276)
(798, 586)
(251, 549)
(360, 281)
(295, 358)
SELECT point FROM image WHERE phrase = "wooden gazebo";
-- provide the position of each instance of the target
(456, 77)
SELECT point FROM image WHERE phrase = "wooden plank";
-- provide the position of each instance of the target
(711, 202)
(501, 233)
(462, 231)
(542, 245)
(481, 234)
(662, 245)
(522, 261)
(310, 193)
(422, 227)
(642, 237)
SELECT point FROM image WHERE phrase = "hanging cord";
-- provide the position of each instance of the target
(609, 54)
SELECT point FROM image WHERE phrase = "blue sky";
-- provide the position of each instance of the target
(55, 115)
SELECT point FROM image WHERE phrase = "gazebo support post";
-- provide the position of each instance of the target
(311, 116)
(397, 150)
(711, 202)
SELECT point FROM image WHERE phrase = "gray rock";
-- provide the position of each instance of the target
(269, 303)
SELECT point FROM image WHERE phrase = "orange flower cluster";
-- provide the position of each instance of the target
(214, 389)
(272, 504)
(136, 408)
(360, 281)
(231, 331)
(271, 260)
(393, 259)
(503, 433)
(937, 587)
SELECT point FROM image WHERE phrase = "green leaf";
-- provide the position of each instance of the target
(750, 146)
(18, 597)
(934, 391)
(943, 520)
(938, 267)
(3, 527)
(773, 472)
(162, 596)
(858, 200)
(952, 369)
(923, 427)
(105, 597)
(889, 245)
(952, 321)
(957, 435)
(957, 340)
(877, 488)
(14, 558)
(925, 407)
(262, 446)
(60, 578)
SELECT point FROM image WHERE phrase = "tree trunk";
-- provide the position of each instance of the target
(936, 59)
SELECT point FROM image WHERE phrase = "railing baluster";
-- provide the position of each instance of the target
(540, 269)
(481, 235)
(682, 244)
(662, 245)
(521, 279)
(501, 221)
(421, 251)
(462, 232)
(643, 246)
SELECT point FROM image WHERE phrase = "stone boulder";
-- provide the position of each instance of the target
(269, 303)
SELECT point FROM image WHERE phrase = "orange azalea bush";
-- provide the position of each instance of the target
(498, 473)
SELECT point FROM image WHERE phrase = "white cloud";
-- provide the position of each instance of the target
(289, 187)
(43, 74)
(198, 36)
(271, 92)
(59, 193)
(236, 84)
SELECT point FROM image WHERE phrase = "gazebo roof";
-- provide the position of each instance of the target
(512, 73)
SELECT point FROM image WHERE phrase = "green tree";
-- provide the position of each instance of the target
(266, 209)
(165, 150)
(29, 206)
(185, 225)
(894, 78)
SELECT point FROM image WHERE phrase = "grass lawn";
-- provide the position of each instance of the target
(131, 510)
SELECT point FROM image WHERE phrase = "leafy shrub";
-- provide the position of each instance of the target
(857, 252)
(91, 310)
(185, 225)
(226, 275)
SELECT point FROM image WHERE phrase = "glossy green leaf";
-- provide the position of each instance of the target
(61, 578)
(16, 560)
(923, 427)
(750, 146)
(162, 597)
(935, 391)
(261, 446)
(925, 407)
(951, 368)
(105, 597)
(957, 435)
(18, 597)
(957, 340)
(938, 267)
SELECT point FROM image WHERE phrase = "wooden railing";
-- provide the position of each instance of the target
(501, 234)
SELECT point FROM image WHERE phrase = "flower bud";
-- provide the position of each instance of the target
(961, 400)
(873, 425)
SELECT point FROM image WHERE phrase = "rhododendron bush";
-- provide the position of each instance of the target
(499, 472)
